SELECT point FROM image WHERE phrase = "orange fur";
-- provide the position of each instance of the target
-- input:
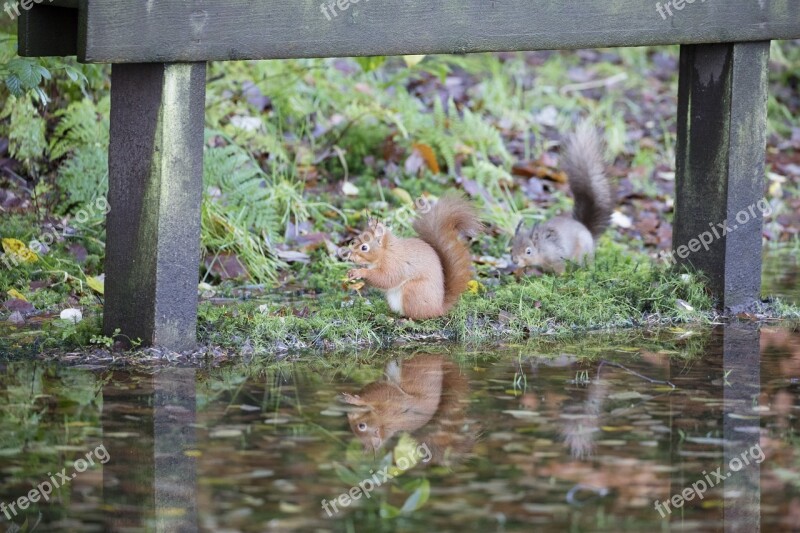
(425, 396)
(424, 276)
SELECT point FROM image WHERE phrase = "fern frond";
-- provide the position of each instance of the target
(82, 123)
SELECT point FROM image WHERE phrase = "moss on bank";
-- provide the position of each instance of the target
(619, 290)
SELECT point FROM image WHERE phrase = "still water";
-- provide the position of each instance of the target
(693, 430)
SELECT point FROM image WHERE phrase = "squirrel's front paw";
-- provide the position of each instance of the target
(354, 274)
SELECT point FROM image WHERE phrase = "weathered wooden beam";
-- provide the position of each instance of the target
(47, 31)
(155, 189)
(719, 205)
(201, 30)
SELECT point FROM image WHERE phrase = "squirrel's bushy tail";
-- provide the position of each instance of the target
(586, 170)
(441, 227)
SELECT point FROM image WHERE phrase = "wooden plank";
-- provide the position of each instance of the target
(47, 31)
(719, 205)
(200, 30)
(155, 189)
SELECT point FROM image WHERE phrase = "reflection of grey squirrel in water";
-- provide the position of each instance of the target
(424, 396)
(561, 239)
(581, 427)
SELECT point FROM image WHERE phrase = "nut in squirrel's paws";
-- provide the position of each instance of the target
(355, 274)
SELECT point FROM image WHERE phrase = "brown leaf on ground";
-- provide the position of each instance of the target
(226, 266)
(429, 156)
(536, 169)
(15, 304)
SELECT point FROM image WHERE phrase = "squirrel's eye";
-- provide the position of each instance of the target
(365, 247)
(528, 251)
(362, 426)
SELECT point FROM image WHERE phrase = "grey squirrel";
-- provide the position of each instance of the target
(550, 245)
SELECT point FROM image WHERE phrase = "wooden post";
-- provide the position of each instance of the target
(719, 205)
(155, 189)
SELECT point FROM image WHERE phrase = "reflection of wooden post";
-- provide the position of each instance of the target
(128, 436)
(149, 481)
(688, 384)
(740, 427)
(175, 471)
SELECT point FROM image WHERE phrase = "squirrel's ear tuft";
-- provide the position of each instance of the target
(379, 231)
(533, 230)
(516, 231)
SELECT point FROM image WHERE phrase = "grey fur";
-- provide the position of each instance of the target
(585, 167)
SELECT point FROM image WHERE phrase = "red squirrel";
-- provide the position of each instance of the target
(561, 239)
(426, 396)
(423, 276)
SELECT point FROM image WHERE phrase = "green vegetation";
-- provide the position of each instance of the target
(298, 154)
(617, 291)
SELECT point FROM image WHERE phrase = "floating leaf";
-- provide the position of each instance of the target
(417, 498)
(628, 395)
(346, 475)
(389, 511)
(521, 413)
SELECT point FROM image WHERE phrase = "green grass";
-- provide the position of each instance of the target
(330, 120)
(619, 290)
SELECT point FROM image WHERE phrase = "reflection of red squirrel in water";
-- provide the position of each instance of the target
(425, 396)
(423, 276)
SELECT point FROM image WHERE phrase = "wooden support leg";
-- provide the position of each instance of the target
(155, 189)
(47, 31)
(719, 206)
